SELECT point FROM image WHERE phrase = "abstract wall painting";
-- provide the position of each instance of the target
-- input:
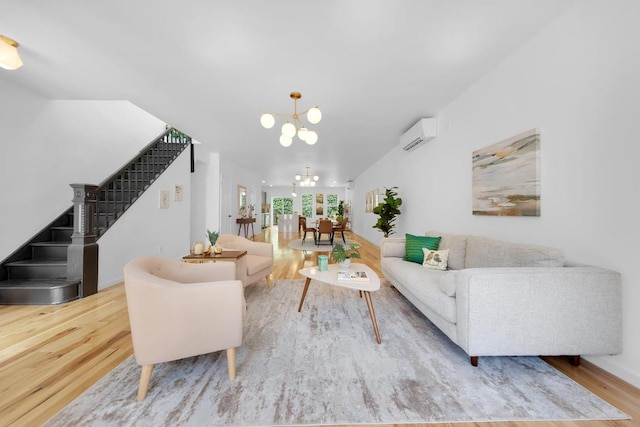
(506, 177)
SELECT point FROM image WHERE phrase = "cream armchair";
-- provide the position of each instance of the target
(258, 262)
(179, 310)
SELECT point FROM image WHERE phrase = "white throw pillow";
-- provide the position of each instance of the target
(436, 260)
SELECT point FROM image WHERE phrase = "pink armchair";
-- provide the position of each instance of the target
(258, 262)
(179, 310)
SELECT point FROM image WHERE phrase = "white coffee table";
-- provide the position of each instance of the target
(330, 277)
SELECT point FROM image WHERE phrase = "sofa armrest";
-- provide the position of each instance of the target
(539, 311)
(393, 247)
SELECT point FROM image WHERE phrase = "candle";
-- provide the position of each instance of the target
(198, 248)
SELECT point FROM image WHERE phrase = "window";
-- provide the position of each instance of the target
(282, 206)
(332, 205)
(307, 205)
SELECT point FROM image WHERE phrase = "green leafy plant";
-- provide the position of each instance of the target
(213, 236)
(340, 215)
(341, 253)
(387, 211)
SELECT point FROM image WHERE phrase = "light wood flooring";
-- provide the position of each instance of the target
(50, 354)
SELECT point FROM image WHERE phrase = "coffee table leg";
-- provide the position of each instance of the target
(367, 297)
(304, 293)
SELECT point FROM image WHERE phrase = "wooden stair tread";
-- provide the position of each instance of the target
(38, 262)
(37, 283)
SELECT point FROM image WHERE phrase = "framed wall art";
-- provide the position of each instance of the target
(506, 177)
(164, 199)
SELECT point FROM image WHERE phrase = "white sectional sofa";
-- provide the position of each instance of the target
(504, 299)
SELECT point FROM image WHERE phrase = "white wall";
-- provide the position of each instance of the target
(577, 82)
(48, 144)
(145, 229)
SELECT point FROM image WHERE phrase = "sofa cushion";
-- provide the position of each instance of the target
(447, 283)
(457, 245)
(414, 245)
(436, 260)
(485, 252)
(424, 284)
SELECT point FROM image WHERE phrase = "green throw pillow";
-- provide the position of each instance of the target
(414, 245)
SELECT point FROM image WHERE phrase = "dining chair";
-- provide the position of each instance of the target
(325, 227)
(305, 228)
(341, 228)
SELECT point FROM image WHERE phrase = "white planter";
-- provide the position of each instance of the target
(344, 265)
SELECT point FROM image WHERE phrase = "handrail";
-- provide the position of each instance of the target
(116, 193)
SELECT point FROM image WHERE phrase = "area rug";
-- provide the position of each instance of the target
(311, 247)
(323, 366)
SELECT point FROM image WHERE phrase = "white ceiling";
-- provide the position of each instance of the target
(210, 68)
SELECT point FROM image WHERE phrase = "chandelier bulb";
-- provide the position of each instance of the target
(314, 115)
(285, 141)
(267, 121)
(316, 177)
(298, 177)
(312, 137)
(289, 130)
(302, 133)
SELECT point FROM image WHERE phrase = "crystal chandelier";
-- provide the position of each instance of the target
(293, 123)
(307, 180)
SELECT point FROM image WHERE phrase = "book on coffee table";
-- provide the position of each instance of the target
(354, 276)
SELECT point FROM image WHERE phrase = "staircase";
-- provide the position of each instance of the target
(39, 271)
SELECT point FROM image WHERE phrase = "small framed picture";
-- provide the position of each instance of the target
(164, 199)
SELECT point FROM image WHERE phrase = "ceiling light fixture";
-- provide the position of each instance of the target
(307, 180)
(293, 191)
(9, 58)
(295, 126)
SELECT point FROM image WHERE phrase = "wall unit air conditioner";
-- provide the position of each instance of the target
(418, 134)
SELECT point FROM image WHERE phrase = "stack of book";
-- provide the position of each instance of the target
(353, 276)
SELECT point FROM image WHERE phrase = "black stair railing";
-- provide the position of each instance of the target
(118, 192)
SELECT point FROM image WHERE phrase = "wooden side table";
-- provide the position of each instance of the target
(235, 256)
(244, 223)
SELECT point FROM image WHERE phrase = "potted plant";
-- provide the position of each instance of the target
(213, 238)
(340, 215)
(342, 255)
(387, 211)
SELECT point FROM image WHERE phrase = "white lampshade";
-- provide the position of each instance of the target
(9, 58)
(285, 140)
(289, 130)
(298, 177)
(314, 115)
(316, 177)
(302, 133)
(267, 121)
(312, 137)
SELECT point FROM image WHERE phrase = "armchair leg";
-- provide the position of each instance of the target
(145, 376)
(269, 284)
(231, 363)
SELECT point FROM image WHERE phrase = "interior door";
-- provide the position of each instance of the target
(225, 206)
